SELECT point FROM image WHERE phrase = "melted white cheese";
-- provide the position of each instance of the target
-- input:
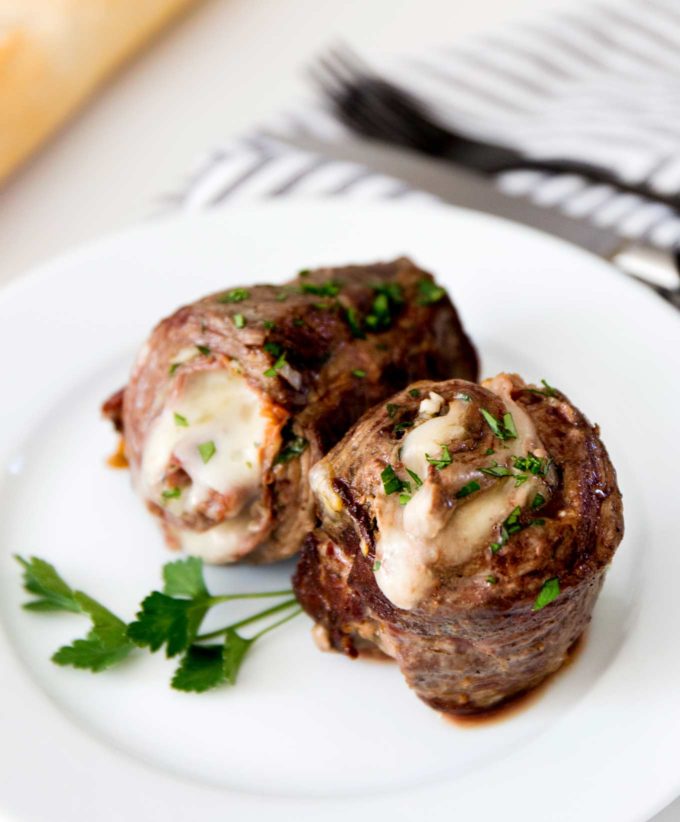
(425, 531)
(219, 407)
(219, 544)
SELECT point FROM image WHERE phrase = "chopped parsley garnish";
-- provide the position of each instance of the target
(180, 420)
(391, 410)
(468, 489)
(461, 395)
(537, 501)
(305, 272)
(537, 522)
(416, 479)
(532, 464)
(509, 426)
(495, 547)
(414, 392)
(491, 579)
(548, 391)
(329, 289)
(511, 523)
(173, 368)
(503, 430)
(429, 292)
(354, 323)
(203, 349)
(268, 324)
(298, 322)
(171, 493)
(282, 296)
(207, 450)
(391, 482)
(496, 470)
(388, 298)
(171, 618)
(278, 365)
(402, 426)
(489, 452)
(549, 592)
(239, 321)
(376, 565)
(404, 498)
(442, 460)
(272, 348)
(292, 449)
(236, 295)
(359, 372)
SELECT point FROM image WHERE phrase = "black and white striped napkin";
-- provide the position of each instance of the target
(600, 84)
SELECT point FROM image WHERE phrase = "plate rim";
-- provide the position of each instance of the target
(50, 268)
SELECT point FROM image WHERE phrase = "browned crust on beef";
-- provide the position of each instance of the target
(423, 340)
(470, 645)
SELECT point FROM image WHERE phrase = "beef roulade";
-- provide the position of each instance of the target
(235, 397)
(465, 531)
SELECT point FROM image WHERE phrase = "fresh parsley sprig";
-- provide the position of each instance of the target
(170, 618)
(105, 645)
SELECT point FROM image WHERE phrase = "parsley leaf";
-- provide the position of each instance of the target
(359, 372)
(414, 392)
(468, 489)
(172, 493)
(416, 479)
(429, 292)
(442, 461)
(391, 482)
(239, 320)
(549, 592)
(203, 349)
(106, 644)
(164, 620)
(236, 295)
(391, 410)
(503, 430)
(496, 470)
(201, 668)
(181, 421)
(41, 579)
(537, 501)
(354, 323)
(207, 450)
(292, 449)
(387, 300)
(184, 578)
(273, 370)
(328, 289)
(235, 649)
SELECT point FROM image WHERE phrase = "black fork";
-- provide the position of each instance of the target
(378, 109)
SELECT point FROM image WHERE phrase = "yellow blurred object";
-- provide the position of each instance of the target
(53, 55)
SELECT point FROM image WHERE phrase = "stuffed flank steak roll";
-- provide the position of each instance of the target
(465, 531)
(234, 397)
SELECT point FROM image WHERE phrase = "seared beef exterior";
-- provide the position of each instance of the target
(496, 570)
(313, 354)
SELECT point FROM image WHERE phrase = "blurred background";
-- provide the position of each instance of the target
(217, 70)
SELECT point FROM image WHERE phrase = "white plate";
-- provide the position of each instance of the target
(305, 735)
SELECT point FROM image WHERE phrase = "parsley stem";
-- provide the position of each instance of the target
(260, 595)
(271, 627)
(248, 620)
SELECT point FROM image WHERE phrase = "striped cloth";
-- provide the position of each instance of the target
(600, 84)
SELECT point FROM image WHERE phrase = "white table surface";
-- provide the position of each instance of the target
(227, 65)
